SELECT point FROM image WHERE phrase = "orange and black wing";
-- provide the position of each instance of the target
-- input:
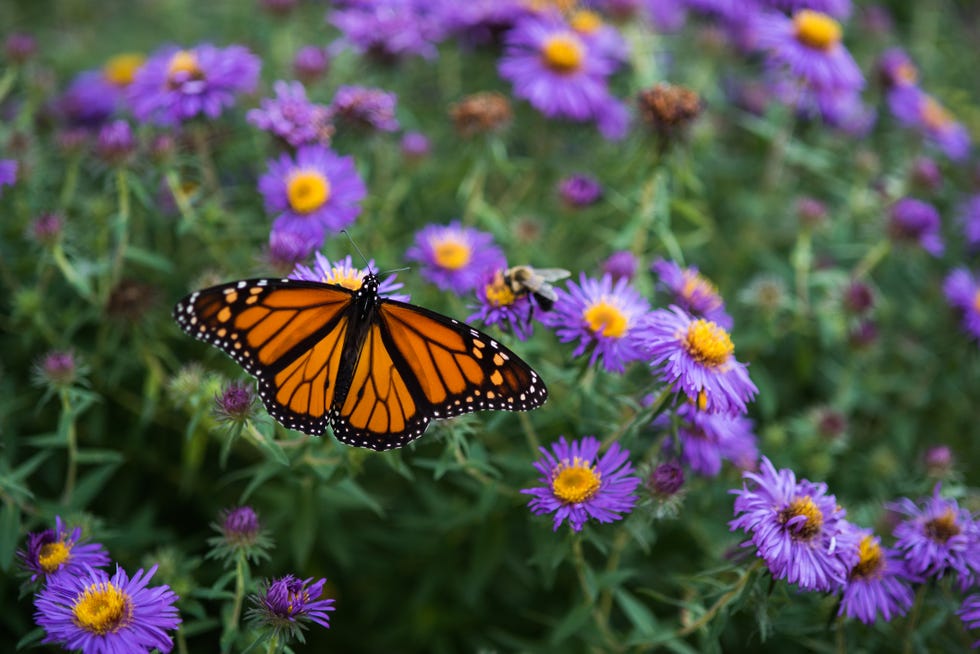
(416, 365)
(288, 334)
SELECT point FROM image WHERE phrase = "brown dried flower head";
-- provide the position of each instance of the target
(668, 108)
(481, 113)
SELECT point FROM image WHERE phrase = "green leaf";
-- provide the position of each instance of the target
(639, 615)
(9, 533)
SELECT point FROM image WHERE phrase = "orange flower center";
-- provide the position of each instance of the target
(606, 319)
(102, 608)
(943, 528)
(803, 506)
(184, 61)
(585, 21)
(708, 344)
(934, 115)
(870, 559)
(52, 555)
(576, 481)
(121, 69)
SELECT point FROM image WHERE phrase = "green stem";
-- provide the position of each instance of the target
(529, 433)
(802, 260)
(600, 619)
(606, 597)
(722, 602)
(913, 619)
(236, 609)
(872, 258)
(71, 442)
(71, 182)
(273, 645)
(202, 147)
(122, 227)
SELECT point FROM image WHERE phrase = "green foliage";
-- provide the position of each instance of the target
(431, 548)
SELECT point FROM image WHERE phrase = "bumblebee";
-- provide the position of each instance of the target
(525, 280)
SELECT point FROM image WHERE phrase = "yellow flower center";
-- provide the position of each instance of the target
(870, 559)
(803, 506)
(934, 115)
(540, 6)
(498, 293)
(452, 255)
(906, 73)
(707, 343)
(576, 481)
(563, 53)
(605, 319)
(121, 69)
(348, 278)
(816, 30)
(184, 61)
(52, 555)
(695, 284)
(943, 528)
(976, 301)
(585, 21)
(102, 609)
(307, 190)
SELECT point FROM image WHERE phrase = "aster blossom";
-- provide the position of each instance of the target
(561, 74)
(969, 216)
(365, 107)
(970, 613)
(916, 109)
(288, 605)
(60, 551)
(389, 29)
(175, 85)
(877, 584)
(796, 527)
(706, 439)
(692, 291)
(602, 315)
(454, 257)
(962, 291)
(292, 117)
(8, 173)
(241, 532)
(499, 305)
(696, 356)
(344, 273)
(96, 614)
(938, 537)
(578, 484)
(914, 220)
(312, 193)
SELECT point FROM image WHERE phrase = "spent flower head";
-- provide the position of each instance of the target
(60, 551)
(97, 614)
(578, 484)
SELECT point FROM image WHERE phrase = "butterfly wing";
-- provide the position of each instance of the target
(416, 365)
(288, 334)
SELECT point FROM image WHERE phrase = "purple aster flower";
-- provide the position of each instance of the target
(601, 315)
(837, 8)
(46, 229)
(498, 305)
(970, 218)
(796, 527)
(604, 39)
(692, 291)
(57, 551)
(89, 101)
(345, 273)
(938, 460)
(310, 63)
(8, 173)
(621, 264)
(696, 356)
(579, 190)
(365, 108)
(667, 16)
(896, 68)
(727, 10)
(455, 258)
(938, 537)
(878, 582)
(708, 438)
(666, 480)
(915, 220)
(58, 368)
(390, 29)
(19, 47)
(286, 249)
(577, 484)
(557, 70)
(292, 117)
(962, 291)
(313, 193)
(920, 111)
(175, 85)
(288, 605)
(809, 47)
(479, 22)
(240, 525)
(96, 614)
(970, 613)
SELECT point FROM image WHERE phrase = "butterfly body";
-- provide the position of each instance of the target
(376, 370)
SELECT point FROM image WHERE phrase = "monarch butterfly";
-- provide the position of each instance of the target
(376, 370)
(525, 280)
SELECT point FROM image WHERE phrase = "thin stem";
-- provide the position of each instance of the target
(529, 433)
(71, 182)
(71, 442)
(722, 602)
(273, 645)
(122, 227)
(619, 544)
(240, 566)
(871, 258)
(202, 148)
(598, 617)
(913, 619)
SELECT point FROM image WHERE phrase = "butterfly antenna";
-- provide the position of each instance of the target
(354, 245)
